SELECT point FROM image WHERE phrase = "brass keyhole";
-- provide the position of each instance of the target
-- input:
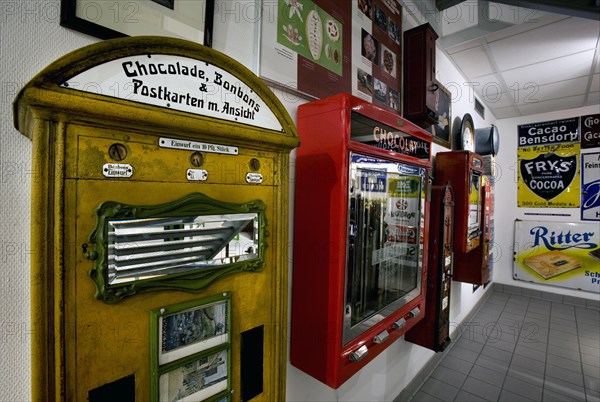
(197, 159)
(117, 152)
(254, 164)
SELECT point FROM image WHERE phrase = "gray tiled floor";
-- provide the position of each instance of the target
(519, 348)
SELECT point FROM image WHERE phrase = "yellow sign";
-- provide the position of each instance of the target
(549, 176)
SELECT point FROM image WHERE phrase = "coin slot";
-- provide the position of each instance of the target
(117, 152)
(197, 159)
(254, 164)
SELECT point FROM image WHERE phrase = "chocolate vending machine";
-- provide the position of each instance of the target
(360, 235)
(464, 170)
(159, 224)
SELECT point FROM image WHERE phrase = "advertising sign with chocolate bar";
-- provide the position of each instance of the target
(558, 254)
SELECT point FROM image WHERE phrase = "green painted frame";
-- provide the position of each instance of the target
(158, 370)
(193, 281)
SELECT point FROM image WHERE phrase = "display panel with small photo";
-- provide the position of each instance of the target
(196, 380)
(369, 47)
(190, 349)
(191, 328)
(441, 130)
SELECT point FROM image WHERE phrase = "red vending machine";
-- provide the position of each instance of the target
(360, 242)
(464, 170)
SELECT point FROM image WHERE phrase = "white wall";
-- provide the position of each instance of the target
(31, 38)
(506, 210)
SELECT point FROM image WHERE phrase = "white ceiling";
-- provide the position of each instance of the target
(524, 62)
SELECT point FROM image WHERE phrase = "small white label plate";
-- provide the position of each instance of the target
(174, 143)
(197, 174)
(117, 170)
(254, 178)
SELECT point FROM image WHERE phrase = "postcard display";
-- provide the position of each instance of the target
(159, 224)
(360, 242)
(472, 232)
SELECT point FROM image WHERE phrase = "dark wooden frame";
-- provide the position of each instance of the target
(443, 137)
(69, 19)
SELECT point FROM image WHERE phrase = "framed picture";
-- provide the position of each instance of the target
(442, 129)
(191, 350)
(198, 379)
(190, 328)
(191, 20)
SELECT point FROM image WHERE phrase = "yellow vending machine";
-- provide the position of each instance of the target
(159, 225)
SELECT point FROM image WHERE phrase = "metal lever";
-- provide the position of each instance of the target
(414, 312)
(359, 353)
(399, 324)
(381, 337)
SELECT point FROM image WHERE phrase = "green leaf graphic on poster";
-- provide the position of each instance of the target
(311, 32)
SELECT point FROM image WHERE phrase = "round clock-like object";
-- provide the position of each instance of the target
(467, 133)
(487, 140)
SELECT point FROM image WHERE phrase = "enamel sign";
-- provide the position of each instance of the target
(590, 131)
(548, 155)
(558, 254)
(590, 187)
(179, 83)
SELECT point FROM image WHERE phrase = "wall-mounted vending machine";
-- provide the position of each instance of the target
(360, 242)
(159, 225)
(464, 170)
(433, 331)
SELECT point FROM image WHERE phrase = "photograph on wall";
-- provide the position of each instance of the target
(548, 167)
(196, 380)
(590, 186)
(321, 48)
(558, 254)
(191, 330)
(379, 52)
(590, 131)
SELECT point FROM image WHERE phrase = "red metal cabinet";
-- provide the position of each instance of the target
(360, 242)
(464, 170)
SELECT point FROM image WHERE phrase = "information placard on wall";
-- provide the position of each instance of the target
(558, 254)
(321, 48)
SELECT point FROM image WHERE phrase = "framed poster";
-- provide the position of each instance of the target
(190, 349)
(590, 186)
(191, 20)
(548, 155)
(441, 130)
(558, 254)
(319, 48)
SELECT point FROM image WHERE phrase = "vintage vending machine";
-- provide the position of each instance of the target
(159, 225)
(433, 331)
(464, 170)
(360, 235)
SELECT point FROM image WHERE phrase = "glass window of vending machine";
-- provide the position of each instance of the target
(360, 243)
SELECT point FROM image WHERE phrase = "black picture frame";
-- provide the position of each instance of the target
(70, 19)
(441, 130)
